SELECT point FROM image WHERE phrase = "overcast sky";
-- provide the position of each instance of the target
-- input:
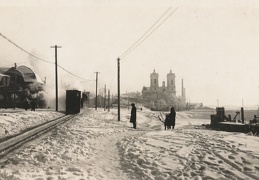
(212, 45)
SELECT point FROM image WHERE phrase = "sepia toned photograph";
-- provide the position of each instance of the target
(129, 90)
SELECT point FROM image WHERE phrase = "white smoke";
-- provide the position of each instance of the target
(65, 82)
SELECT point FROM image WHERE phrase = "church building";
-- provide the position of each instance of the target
(160, 97)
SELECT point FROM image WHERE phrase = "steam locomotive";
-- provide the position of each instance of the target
(18, 84)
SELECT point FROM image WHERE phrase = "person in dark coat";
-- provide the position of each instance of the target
(172, 117)
(33, 105)
(167, 122)
(26, 104)
(133, 116)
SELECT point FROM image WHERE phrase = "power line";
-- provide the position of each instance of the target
(86, 81)
(71, 73)
(36, 56)
(24, 50)
(24, 61)
(129, 51)
(146, 32)
(149, 34)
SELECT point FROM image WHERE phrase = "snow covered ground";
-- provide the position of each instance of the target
(96, 146)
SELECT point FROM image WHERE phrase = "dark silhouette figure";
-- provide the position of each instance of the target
(170, 119)
(133, 116)
(167, 122)
(33, 105)
(26, 104)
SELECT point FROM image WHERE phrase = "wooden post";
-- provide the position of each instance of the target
(118, 89)
(56, 72)
(104, 97)
(108, 100)
(96, 81)
(15, 85)
(242, 115)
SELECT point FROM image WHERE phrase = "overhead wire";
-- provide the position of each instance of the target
(70, 72)
(146, 32)
(24, 49)
(140, 40)
(22, 62)
(38, 57)
(86, 81)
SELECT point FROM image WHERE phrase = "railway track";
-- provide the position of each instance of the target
(13, 143)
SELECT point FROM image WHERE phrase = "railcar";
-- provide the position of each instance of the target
(73, 101)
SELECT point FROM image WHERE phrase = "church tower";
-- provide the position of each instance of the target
(154, 81)
(171, 82)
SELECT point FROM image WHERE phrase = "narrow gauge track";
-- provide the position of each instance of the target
(9, 145)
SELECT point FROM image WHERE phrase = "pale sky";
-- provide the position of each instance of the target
(212, 45)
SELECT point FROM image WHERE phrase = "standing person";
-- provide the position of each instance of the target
(172, 117)
(168, 122)
(133, 116)
(33, 105)
(26, 104)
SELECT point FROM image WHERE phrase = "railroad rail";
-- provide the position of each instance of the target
(9, 145)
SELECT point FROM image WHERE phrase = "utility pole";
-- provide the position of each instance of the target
(118, 89)
(15, 84)
(109, 100)
(56, 72)
(104, 97)
(178, 103)
(112, 100)
(242, 115)
(96, 90)
(128, 99)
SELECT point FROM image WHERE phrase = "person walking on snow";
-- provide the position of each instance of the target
(133, 115)
(168, 122)
(26, 104)
(172, 117)
(33, 105)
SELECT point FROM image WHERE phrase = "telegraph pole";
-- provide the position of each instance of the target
(56, 73)
(112, 100)
(104, 97)
(96, 90)
(15, 84)
(118, 89)
(109, 100)
(128, 99)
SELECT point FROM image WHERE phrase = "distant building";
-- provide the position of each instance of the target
(163, 97)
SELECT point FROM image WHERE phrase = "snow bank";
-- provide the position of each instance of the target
(57, 156)
(17, 121)
(190, 152)
(96, 146)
